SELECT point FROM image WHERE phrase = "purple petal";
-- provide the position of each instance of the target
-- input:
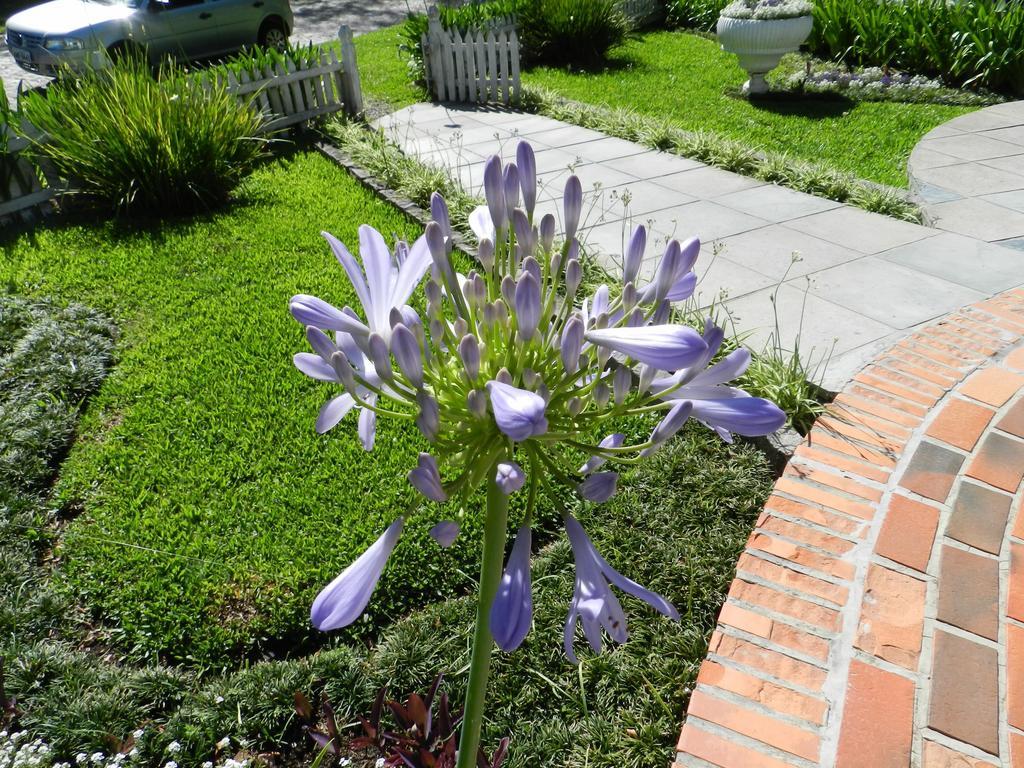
(368, 425)
(510, 477)
(481, 223)
(527, 163)
(343, 600)
(494, 192)
(429, 419)
(665, 347)
(445, 533)
(439, 213)
(518, 413)
(355, 274)
(426, 479)
(512, 609)
(747, 416)
(630, 587)
(572, 202)
(673, 421)
(333, 411)
(527, 303)
(612, 441)
(725, 370)
(683, 288)
(600, 487)
(377, 263)
(314, 366)
(415, 266)
(309, 310)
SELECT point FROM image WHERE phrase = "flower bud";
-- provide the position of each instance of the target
(511, 179)
(380, 357)
(490, 315)
(555, 263)
(433, 292)
(524, 232)
(572, 344)
(573, 277)
(601, 394)
(445, 533)
(547, 231)
(599, 487)
(636, 318)
(427, 480)
(527, 163)
(485, 254)
(574, 407)
(504, 376)
(460, 327)
(508, 289)
(436, 329)
(476, 401)
(437, 246)
(439, 212)
(573, 206)
(501, 312)
(603, 356)
(596, 460)
(622, 381)
(666, 273)
(346, 374)
(634, 255)
(429, 418)
(662, 313)
(532, 267)
(406, 351)
(469, 351)
(530, 378)
(494, 191)
(647, 375)
(630, 296)
(510, 477)
(527, 304)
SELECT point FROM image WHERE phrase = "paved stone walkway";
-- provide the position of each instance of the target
(969, 173)
(862, 280)
(877, 616)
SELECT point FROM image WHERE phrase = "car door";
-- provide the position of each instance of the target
(238, 22)
(182, 29)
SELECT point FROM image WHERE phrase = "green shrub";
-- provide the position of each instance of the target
(696, 14)
(132, 142)
(977, 43)
(578, 32)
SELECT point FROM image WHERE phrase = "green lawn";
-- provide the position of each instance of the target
(211, 513)
(689, 80)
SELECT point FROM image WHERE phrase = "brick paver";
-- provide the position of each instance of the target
(877, 619)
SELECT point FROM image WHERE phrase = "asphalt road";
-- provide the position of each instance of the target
(315, 21)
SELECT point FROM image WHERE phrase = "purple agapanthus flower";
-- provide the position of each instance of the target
(445, 533)
(721, 407)
(343, 600)
(593, 602)
(519, 413)
(510, 477)
(599, 487)
(665, 347)
(512, 609)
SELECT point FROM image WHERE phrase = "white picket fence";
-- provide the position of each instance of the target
(642, 13)
(293, 92)
(24, 186)
(481, 66)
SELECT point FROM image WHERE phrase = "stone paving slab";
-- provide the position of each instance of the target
(877, 616)
(834, 279)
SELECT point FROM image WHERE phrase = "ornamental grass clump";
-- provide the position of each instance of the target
(512, 374)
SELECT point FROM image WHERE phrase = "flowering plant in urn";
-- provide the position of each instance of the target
(506, 374)
(760, 32)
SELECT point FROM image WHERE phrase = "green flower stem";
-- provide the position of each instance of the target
(480, 665)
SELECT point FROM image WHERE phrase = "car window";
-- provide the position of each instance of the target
(170, 5)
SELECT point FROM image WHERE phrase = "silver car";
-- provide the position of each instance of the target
(79, 33)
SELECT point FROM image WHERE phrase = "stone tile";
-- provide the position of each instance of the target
(706, 220)
(1015, 602)
(775, 203)
(890, 292)
(721, 276)
(1014, 200)
(941, 131)
(969, 179)
(650, 164)
(640, 200)
(564, 136)
(707, 183)
(993, 385)
(973, 147)
(1011, 164)
(598, 183)
(804, 321)
(1015, 675)
(1013, 421)
(779, 252)
(1000, 463)
(908, 532)
(979, 517)
(964, 260)
(1012, 133)
(892, 617)
(924, 156)
(932, 471)
(969, 592)
(938, 756)
(960, 423)
(610, 148)
(986, 122)
(930, 194)
(859, 230)
(978, 218)
(768, 730)
(878, 719)
(972, 719)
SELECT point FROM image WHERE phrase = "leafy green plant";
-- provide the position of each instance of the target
(135, 143)
(697, 14)
(573, 32)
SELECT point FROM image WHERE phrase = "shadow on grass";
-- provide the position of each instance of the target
(816, 106)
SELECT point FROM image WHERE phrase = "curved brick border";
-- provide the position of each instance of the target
(877, 615)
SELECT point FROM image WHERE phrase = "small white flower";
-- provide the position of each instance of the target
(207, 764)
(174, 747)
(224, 743)
(138, 734)
(81, 757)
(97, 757)
(170, 764)
(219, 699)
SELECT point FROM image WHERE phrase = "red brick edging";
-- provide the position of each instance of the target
(877, 615)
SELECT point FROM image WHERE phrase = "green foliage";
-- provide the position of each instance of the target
(775, 167)
(132, 142)
(688, 80)
(696, 14)
(574, 32)
(976, 43)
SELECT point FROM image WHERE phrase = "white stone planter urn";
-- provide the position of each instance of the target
(761, 43)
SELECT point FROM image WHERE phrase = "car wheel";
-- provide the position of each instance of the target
(272, 35)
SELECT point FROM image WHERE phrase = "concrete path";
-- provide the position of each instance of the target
(315, 20)
(877, 615)
(860, 281)
(969, 175)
